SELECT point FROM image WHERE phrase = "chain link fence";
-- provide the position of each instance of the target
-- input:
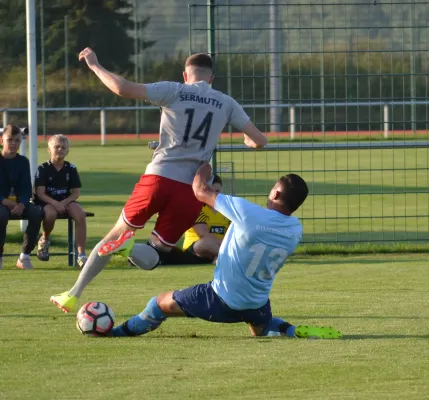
(354, 75)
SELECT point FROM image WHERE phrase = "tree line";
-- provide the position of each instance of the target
(105, 24)
(364, 70)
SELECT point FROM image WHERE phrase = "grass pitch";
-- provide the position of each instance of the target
(379, 302)
(355, 195)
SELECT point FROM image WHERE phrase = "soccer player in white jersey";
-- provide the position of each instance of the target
(193, 117)
(255, 247)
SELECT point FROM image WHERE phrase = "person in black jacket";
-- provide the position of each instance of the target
(15, 195)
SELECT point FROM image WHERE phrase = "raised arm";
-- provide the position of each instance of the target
(202, 189)
(115, 83)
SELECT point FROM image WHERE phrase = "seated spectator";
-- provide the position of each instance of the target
(15, 195)
(203, 240)
(57, 187)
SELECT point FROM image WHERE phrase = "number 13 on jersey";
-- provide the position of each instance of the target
(273, 261)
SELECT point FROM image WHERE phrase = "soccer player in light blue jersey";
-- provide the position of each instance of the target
(254, 249)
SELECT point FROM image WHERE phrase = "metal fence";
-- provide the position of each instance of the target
(385, 121)
(348, 71)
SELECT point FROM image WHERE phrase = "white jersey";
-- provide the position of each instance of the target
(193, 117)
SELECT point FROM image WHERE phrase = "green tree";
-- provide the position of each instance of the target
(104, 25)
(12, 33)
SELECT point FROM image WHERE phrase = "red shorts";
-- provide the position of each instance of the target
(174, 201)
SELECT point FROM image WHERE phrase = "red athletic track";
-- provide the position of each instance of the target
(155, 136)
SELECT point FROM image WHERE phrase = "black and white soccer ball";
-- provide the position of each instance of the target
(95, 319)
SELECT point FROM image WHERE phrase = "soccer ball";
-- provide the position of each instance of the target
(95, 319)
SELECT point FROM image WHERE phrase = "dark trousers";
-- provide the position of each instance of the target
(34, 215)
(177, 256)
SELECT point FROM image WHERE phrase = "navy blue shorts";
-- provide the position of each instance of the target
(201, 301)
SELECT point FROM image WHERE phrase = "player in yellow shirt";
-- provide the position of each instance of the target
(203, 240)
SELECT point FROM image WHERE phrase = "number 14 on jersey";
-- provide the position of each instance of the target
(203, 130)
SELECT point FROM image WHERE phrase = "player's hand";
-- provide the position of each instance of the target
(18, 209)
(10, 204)
(89, 56)
(65, 203)
(61, 209)
(251, 143)
(205, 172)
(248, 142)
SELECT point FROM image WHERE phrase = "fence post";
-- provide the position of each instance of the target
(386, 120)
(275, 67)
(23, 223)
(211, 29)
(211, 44)
(103, 126)
(292, 122)
(5, 118)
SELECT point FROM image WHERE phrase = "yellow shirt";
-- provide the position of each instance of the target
(216, 223)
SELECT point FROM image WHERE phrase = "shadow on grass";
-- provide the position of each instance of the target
(43, 316)
(195, 335)
(303, 317)
(365, 238)
(266, 339)
(64, 268)
(89, 205)
(17, 238)
(347, 260)
(392, 336)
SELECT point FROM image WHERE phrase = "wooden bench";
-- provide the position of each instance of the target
(71, 241)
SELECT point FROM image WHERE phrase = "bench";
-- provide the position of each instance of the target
(71, 242)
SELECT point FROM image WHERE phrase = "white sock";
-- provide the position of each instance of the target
(92, 268)
(23, 256)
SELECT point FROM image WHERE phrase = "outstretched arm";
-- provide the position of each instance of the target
(202, 189)
(253, 137)
(115, 83)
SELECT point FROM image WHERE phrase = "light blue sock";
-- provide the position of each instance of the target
(278, 327)
(148, 320)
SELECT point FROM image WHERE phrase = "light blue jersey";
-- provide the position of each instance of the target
(254, 249)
